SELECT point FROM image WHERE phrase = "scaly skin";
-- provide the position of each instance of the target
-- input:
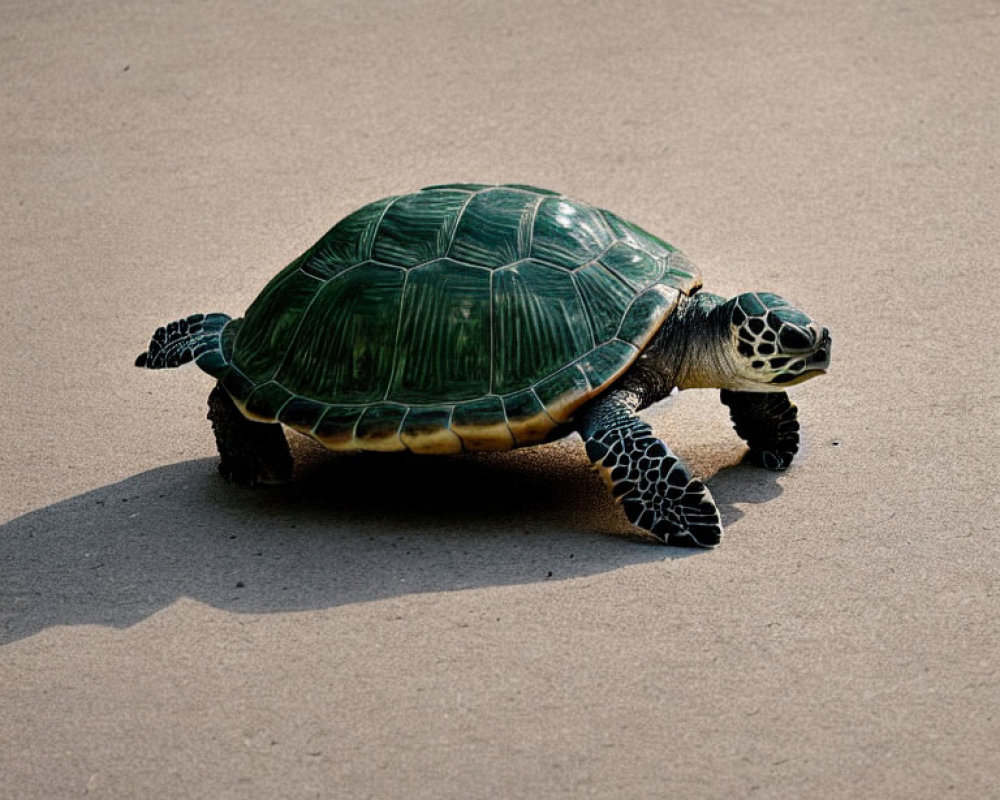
(251, 452)
(768, 423)
(749, 347)
(649, 482)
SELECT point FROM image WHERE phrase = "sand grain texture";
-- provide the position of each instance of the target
(486, 628)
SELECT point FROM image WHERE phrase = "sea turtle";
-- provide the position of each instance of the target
(469, 317)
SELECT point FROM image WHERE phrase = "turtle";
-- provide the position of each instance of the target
(470, 317)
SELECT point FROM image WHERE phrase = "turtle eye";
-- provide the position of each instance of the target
(794, 338)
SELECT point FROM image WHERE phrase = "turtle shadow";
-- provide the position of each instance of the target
(744, 484)
(349, 529)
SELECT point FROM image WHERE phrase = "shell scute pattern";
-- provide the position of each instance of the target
(539, 324)
(463, 316)
(347, 244)
(419, 228)
(495, 229)
(569, 234)
(343, 345)
(443, 346)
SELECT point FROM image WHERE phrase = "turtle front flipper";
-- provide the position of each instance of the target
(653, 488)
(251, 452)
(768, 422)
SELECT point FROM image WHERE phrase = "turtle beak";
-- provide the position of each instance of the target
(820, 358)
(816, 363)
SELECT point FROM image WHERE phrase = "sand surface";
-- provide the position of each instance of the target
(486, 627)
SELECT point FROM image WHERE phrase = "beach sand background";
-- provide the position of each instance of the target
(487, 627)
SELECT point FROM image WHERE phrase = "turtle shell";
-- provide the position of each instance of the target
(462, 316)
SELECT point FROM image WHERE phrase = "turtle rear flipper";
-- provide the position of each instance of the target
(195, 338)
(251, 452)
(654, 489)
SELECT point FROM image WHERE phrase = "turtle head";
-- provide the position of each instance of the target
(775, 345)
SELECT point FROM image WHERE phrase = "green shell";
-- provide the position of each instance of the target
(457, 317)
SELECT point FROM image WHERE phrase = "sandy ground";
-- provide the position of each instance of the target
(486, 627)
